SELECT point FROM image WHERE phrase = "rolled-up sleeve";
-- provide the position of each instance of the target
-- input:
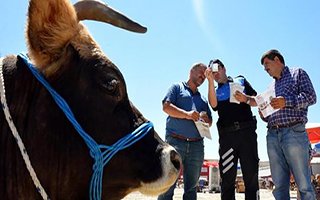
(307, 95)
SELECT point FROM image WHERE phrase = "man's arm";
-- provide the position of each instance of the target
(212, 98)
(242, 97)
(249, 97)
(176, 112)
(307, 95)
(302, 100)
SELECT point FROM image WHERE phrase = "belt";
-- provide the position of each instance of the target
(235, 126)
(284, 125)
(181, 137)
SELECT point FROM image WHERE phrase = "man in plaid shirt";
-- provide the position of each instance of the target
(287, 140)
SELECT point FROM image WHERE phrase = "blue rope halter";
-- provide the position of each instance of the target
(100, 153)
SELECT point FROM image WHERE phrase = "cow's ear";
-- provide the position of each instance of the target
(51, 26)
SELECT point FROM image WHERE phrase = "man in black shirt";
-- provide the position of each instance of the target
(237, 132)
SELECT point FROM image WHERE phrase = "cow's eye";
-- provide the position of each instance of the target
(111, 86)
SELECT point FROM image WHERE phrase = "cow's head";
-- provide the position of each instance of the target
(62, 49)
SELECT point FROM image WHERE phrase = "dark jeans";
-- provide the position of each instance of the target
(239, 144)
(192, 154)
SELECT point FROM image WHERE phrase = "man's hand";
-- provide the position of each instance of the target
(204, 117)
(210, 74)
(193, 115)
(240, 96)
(278, 102)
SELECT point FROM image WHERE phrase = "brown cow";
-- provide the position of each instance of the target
(74, 65)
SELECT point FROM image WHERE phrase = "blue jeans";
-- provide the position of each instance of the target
(192, 154)
(288, 151)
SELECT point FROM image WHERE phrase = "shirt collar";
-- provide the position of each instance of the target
(230, 79)
(284, 71)
(185, 84)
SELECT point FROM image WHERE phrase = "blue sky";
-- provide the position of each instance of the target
(181, 33)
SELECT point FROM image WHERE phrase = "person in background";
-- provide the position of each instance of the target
(184, 105)
(287, 140)
(237, 131)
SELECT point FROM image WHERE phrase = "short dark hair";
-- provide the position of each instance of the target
(216, 61)
(271, 54)
(198, 65)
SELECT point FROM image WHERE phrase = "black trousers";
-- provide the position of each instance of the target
(239, 144)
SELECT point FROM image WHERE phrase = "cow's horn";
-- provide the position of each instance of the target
(99, 11)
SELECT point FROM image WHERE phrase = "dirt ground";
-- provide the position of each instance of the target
(264, 195)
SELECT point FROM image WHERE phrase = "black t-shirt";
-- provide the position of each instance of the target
(233, 112)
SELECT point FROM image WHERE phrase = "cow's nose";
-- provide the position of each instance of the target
(175, 159)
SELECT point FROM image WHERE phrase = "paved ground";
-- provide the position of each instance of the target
(264, 195)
